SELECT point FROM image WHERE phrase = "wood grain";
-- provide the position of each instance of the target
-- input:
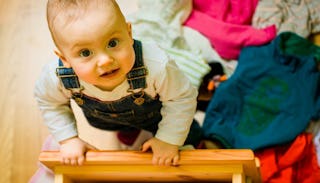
(24, 49)
(127, 166)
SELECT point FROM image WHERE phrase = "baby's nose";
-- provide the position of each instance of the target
(104, 59)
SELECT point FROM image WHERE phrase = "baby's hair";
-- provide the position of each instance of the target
(72, 10)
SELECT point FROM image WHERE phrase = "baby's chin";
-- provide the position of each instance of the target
(111, 85)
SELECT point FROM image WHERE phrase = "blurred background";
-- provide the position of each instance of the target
(25, 46)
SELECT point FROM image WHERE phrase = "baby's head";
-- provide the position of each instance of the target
(92, 37)
(64, 13)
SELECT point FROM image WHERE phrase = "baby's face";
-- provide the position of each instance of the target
(98, 46)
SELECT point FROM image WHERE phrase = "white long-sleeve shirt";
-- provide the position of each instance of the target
(164, 79)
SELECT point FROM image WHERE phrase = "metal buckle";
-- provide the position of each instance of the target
(141, 75)
(77, 96)
(71, 75)
(137, 100)
(63, 76)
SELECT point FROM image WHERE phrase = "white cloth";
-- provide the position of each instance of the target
(200, 45)
(161, 22)
(299, 16)
(177, 94)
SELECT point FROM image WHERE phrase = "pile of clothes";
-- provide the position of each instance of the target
(270, 102)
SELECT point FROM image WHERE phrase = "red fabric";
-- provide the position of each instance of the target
(128, 137)
(291, 163)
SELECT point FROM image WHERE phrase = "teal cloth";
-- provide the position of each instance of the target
(271, 97)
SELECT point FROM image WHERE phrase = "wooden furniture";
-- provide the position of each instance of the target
(201, 165)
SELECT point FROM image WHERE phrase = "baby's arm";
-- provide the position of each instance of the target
(73, 150)
(54, 103)
(178, 99)
(163, 153)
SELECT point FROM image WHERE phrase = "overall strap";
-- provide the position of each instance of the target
(136, 77)
(67, 76)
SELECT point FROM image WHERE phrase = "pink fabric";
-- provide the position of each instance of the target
(231, 11)
(228, 28)
(43, 174)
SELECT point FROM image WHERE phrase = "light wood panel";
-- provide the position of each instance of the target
(220, 165)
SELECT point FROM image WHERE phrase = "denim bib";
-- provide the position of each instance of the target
(135, 111)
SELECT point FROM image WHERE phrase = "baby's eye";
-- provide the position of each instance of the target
(85, 53)
(113, 43)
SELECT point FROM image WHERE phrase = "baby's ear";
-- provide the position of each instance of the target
(129, 29)
(62, 58)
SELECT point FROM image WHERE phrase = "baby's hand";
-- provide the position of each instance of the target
(163, 153)
(73, 150)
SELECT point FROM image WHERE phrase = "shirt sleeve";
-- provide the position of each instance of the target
(54, 103)
(179, 103)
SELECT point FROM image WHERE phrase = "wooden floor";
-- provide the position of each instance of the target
(25, 47)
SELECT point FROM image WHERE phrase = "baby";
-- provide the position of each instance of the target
(120, 84)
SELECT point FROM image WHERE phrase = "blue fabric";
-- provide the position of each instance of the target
(67, 76)
(136, 77)
(271, 97)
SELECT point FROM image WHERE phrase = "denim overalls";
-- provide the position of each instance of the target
(135, 111)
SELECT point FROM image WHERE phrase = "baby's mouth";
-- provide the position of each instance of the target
(109, 73)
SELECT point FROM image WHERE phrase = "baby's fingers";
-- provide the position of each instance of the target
(72, 160)
(80, 160)
(166, 161)
(175, 161)
(155, 160)
(65, 161)
(172, 161)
